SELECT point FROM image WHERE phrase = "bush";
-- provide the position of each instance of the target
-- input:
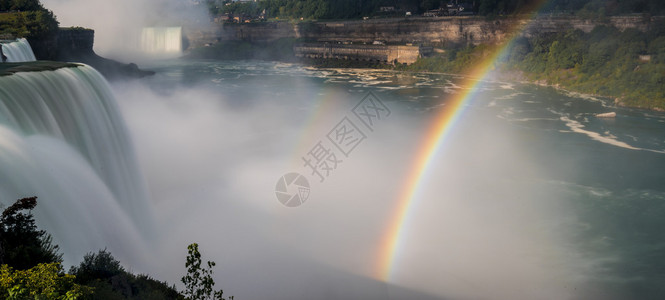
(23, 245)
(109, 279)
(100, 265)
(44, 281)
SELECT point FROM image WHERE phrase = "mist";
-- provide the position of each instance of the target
(485, 226)
(118, 24)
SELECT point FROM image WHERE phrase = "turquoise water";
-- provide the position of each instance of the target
(531, 169)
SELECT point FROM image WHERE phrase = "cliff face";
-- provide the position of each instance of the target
(76, 45)
(44, 48)
(433, 31)
(251, 32)
(67, 41)
(409, 30)
(562, 24)
(75, 41)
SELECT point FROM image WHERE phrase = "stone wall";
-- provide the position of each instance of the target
(377, 53)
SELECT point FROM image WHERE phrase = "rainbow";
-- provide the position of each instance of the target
(434, 139)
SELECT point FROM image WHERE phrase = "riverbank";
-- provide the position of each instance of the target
(620, 57)
(636, 85)
(504, 76)
(628, 66)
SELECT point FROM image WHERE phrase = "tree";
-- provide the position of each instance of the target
(26, 5)
(110, 280)
(198, 281)
(100, 265)
(44, 281)
(23, 245)
(30, 262)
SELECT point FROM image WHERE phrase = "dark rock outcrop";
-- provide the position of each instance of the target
(44, 48)
(75, 45)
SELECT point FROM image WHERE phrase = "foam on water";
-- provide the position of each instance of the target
(606, 138)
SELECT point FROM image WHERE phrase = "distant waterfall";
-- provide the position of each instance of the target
(18, 51)
(63, 139)
(161, 40)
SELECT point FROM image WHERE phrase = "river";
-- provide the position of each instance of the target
(530, 196)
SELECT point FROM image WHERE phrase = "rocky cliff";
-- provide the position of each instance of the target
(75, 40)
(76, 45)
(432, 31)
(44, 48)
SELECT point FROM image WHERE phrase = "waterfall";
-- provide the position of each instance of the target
(63, 139)
(18, 51)
(161, 40)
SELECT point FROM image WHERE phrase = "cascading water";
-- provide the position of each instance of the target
(161, 40)
(18, 51)
(63, 139)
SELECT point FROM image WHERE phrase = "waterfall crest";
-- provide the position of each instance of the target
(18, 51)
(161, 40)
(62, 138)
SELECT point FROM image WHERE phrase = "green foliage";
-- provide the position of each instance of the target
(604, 61)
(44, 281)
(198, 281)
(23, 245)
(656, 48)
(109, 279)
(319, 9)
(20, 5)
(240, 8)
(518, 50)
(27, 18)
(354, 9)
(454, 60)
(31, 267)
(627, 65)
(100, 265)
(30, 262)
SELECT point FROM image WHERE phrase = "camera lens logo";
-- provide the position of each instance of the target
(292, 189)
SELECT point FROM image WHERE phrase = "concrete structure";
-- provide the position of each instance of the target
(377, 53)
